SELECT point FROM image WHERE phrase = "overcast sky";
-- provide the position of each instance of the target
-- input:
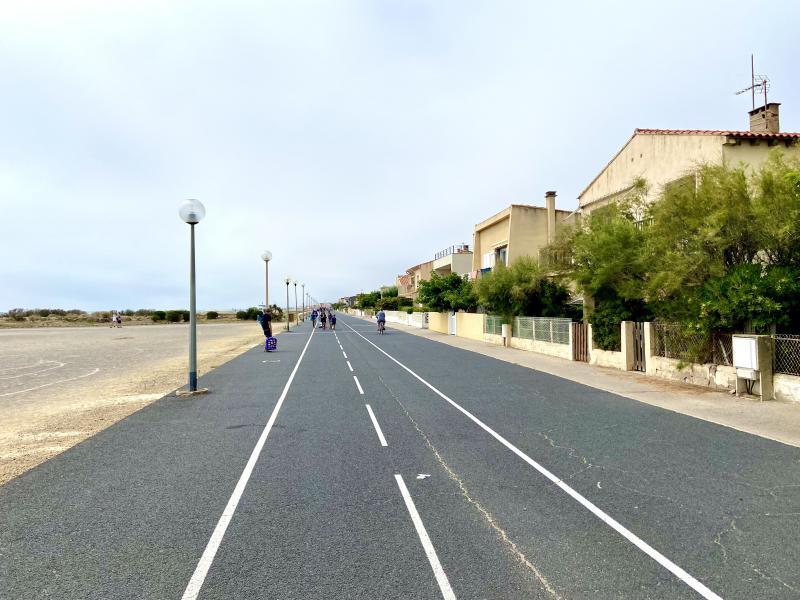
(353, 139)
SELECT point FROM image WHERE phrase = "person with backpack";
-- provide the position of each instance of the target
(314, 316)
(333, 321)
(323, 319)
(381, 317)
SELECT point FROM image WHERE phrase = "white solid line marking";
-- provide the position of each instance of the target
(688, 579)
(360, 390)
(345, 354)
(430, 552)
(350, 366)
(377, 427)
(199, 575)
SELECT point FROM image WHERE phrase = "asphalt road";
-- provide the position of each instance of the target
(496, 481)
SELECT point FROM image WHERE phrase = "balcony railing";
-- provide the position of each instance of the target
(455, 249)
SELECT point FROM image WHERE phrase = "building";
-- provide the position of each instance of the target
(455, 259)
(408, 284)
(518, 230)
(663, 156)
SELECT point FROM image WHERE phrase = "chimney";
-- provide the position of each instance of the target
(766, 118)
(550, 204)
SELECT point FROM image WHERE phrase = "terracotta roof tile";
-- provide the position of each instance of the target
(747, 134)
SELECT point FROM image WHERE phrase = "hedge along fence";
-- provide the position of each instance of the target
(542, 329)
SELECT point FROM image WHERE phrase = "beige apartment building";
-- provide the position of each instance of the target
(662, 156)
(518, 230)
(455, 259)
(408, 284)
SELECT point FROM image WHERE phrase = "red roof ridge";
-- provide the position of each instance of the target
(764, 134)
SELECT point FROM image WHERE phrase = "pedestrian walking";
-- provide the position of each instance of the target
(314, 316)
(333, 321)
(323, 318)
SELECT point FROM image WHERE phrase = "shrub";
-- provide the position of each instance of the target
(75, 311)
(241, 314)
(58, 311)
(158, 315)
(17, 314)
(211, 315)
(43, 312)
(174, 316)
(127, 312)
(144, 312)
(185, 315)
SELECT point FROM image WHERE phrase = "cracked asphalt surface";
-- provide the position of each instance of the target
(129, 512)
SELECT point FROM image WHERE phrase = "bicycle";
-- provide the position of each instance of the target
(381, 327)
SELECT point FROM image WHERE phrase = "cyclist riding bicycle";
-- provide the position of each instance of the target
(381, 317)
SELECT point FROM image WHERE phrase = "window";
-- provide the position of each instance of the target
(501, 255)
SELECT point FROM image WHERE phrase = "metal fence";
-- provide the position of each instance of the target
(543, 329)
(493, 324)
(787, 353)
(672, 341)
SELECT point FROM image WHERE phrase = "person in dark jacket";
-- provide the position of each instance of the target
(265, 318)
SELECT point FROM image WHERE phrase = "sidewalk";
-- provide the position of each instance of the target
(775, 420)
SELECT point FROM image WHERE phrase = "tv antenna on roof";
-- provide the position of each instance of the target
(758, 83)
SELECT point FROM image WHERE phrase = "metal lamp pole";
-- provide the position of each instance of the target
(266, 257)
(192, 212)
(295, 302)
(288, 281)
(304, 300)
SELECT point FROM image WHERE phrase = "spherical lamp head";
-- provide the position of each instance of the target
(192, 211)
(266, 256)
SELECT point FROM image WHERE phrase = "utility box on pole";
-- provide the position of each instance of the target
(752, 359)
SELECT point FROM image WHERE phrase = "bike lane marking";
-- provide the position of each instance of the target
(430, 552)
(377, 427)
(673, 568)
(200, 572)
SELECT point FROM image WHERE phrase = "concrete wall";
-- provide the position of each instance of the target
(604, 358)
(718, 377)
(786, 387)
(559, 350)
(462, 263)
(491, 338)
(469, 325)
(417, 319)
(437, 322)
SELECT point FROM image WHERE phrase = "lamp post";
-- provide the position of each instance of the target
(288, 281)
(304, 300)
(295, 301)
(266, 257)
(192, 212)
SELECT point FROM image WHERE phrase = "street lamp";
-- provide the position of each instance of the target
(288, 280)
(295, 300)
(304, 300)
(266, 257)
(192, 212)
